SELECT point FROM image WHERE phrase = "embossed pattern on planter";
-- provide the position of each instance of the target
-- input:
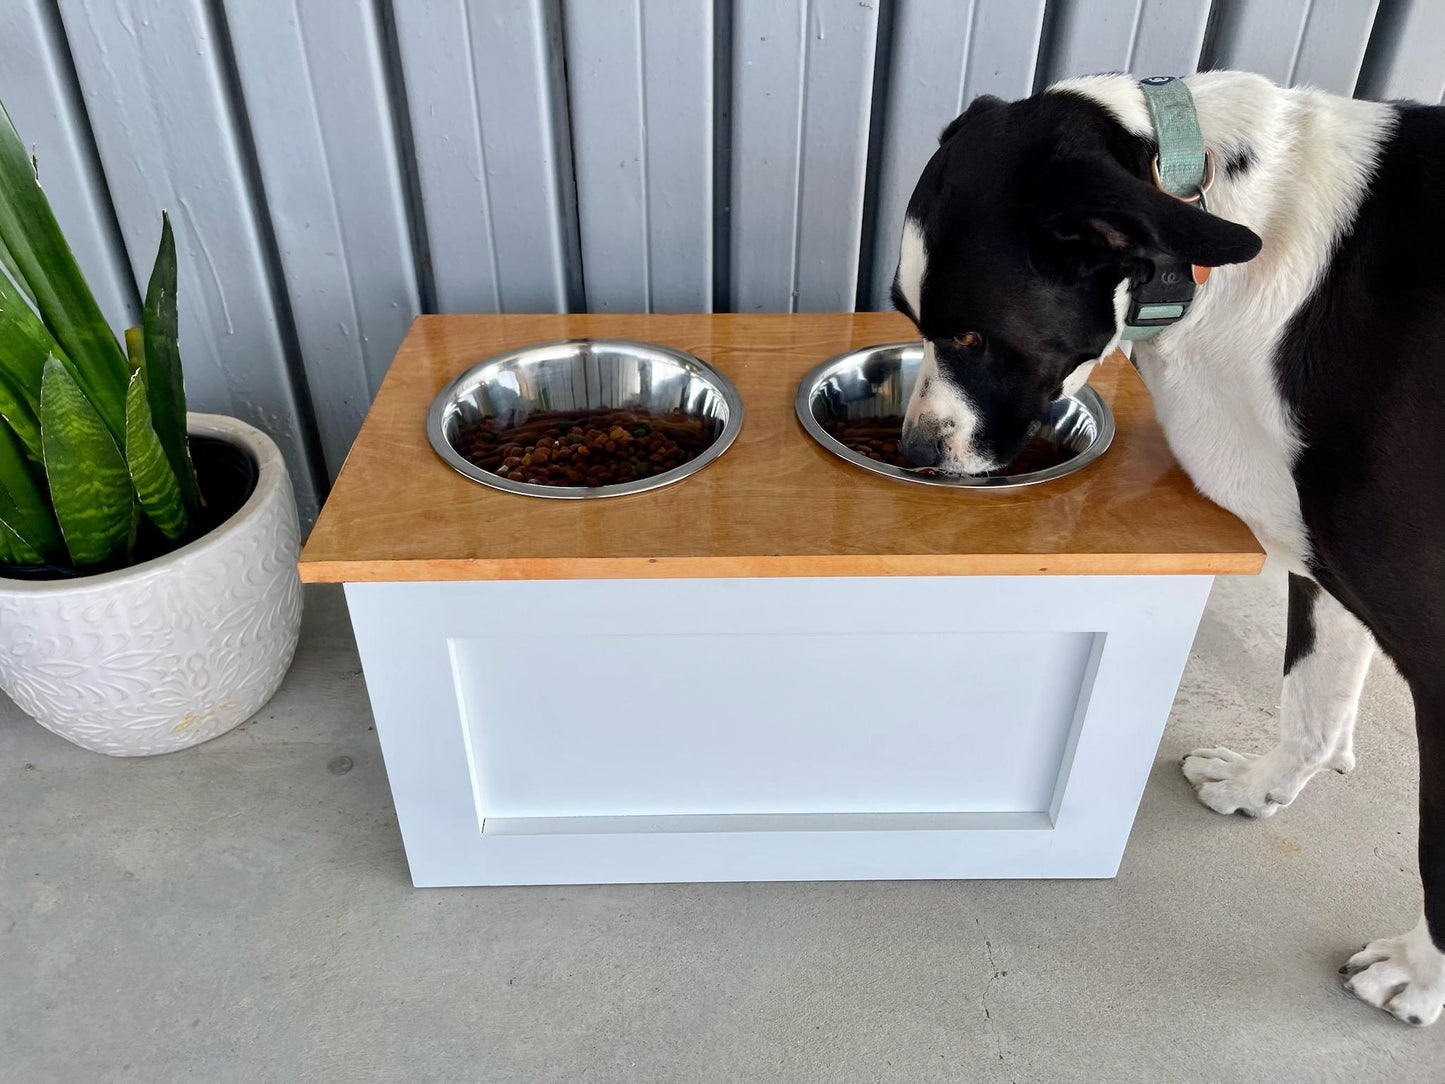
(173, 652)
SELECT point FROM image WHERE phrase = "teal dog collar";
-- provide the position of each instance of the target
(1182, 164)
(1184, 168)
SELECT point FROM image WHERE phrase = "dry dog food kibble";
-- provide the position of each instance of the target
(880, 439)
(585, 447)
(877, 438)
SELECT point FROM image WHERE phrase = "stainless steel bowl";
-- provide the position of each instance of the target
(585, 374)
(875, 382)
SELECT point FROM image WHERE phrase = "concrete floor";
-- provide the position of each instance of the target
(241, 912)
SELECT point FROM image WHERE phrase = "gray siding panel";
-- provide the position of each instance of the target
(802, 80)
(316, 96)
(41, 98)
(484, 100)
(640, 80)
(1149, 37)
(1319, 42)
(1409, 56)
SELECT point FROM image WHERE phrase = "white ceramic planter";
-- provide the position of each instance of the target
(172, 652)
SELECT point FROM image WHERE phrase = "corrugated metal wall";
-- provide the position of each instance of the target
(336, 166)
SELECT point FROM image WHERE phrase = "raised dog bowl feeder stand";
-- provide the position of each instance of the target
(781, 668)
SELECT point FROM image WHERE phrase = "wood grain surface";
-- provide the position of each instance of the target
(776, 504)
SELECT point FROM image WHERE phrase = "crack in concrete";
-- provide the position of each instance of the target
(989, 1024)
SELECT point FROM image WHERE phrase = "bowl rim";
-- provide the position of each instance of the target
(1086, 397)
(436, 416)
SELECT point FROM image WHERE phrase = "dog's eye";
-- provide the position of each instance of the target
(969, 340)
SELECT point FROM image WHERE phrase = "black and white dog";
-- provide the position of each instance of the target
(1304, 390)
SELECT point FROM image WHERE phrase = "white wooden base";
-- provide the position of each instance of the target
(592, 731)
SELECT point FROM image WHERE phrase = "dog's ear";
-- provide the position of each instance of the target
(1155, 221)
(1107, 209)
(982, 104)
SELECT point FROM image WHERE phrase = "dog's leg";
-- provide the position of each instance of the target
(1327, 652)
(1405, 975)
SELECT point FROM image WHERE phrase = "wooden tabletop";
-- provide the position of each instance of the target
(776, 504)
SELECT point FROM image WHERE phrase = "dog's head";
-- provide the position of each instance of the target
(1021, 240)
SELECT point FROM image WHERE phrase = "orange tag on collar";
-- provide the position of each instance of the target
(1201, 274)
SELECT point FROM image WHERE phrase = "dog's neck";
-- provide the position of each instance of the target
(1293, 165)
(1262, 135)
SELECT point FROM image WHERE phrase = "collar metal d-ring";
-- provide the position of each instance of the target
(1204, 187)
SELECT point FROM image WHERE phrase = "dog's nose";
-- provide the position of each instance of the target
(922, 444)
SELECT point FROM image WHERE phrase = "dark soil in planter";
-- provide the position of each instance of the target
(227, 477)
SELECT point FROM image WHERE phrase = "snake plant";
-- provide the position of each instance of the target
(92, 435)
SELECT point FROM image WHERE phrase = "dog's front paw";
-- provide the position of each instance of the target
(1230, 782)
(1403, 975)
(1342, 760)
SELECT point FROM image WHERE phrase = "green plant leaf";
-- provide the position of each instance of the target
(165, 384)
(11, 268)
(24, 507)
(150, 471)
(24, 343)
(90, 487)
(44, 263)
(15, 549)
(16, 411)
